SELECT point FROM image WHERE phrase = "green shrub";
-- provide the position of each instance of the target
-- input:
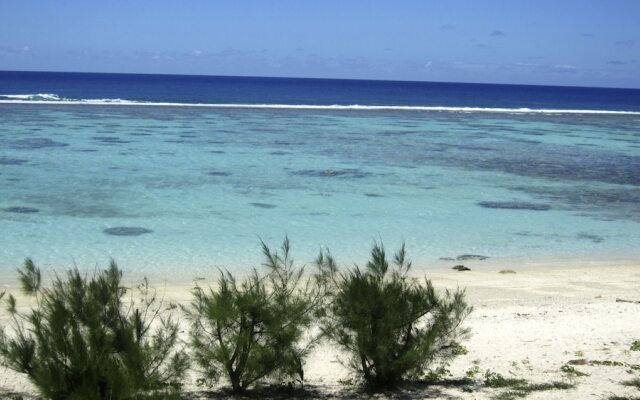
(633, 383)
(254, 329)
(623, 398)
(571, 371)
(519, 388)
(82, 341)
(393, 326)
(496, 380)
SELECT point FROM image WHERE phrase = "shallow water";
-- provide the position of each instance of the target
(203, 185)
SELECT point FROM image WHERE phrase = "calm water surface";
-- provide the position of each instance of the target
(175, 188)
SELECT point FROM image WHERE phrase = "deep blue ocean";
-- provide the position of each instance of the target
(178, 174)
(295, 91)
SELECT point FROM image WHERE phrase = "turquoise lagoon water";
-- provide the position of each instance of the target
(207, 183)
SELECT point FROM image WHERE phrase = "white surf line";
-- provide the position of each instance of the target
(355, 107)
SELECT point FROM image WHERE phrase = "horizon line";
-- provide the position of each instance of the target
(319, 78)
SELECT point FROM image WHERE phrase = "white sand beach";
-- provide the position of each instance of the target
(526, 324)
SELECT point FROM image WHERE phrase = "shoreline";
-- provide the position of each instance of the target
(526, 324)
(182, 276)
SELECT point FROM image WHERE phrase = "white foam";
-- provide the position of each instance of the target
(53, 99)
(38, 96)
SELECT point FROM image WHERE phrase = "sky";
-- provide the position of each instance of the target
(560, 42)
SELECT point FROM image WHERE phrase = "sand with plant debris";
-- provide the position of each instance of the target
(526, 324)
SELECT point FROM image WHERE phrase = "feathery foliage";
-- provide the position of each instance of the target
(29, 277)
(256, 328)
(393, 326)
(82, 341)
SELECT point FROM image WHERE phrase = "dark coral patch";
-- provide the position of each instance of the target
(21, 210)
(514, 205)
(36, 143)
(590, 237)
(127, 231)
(110, 140)
(263, 205)
(218, 173)
(12, 161)
(465, 257)
(332, 173)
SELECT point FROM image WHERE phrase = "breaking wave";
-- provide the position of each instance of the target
(48, 98)
(31, 97)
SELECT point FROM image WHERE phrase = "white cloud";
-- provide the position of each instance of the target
(565, 67)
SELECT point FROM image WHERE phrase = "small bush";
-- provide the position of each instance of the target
(473, 371)
(393, 326)
(519, 388)
(81, 341)
(635, 346)
(571, 371)
(496, 380)
(623, 398)
(254, 329)
(633, 383)
(459, 350)
(537, 387)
